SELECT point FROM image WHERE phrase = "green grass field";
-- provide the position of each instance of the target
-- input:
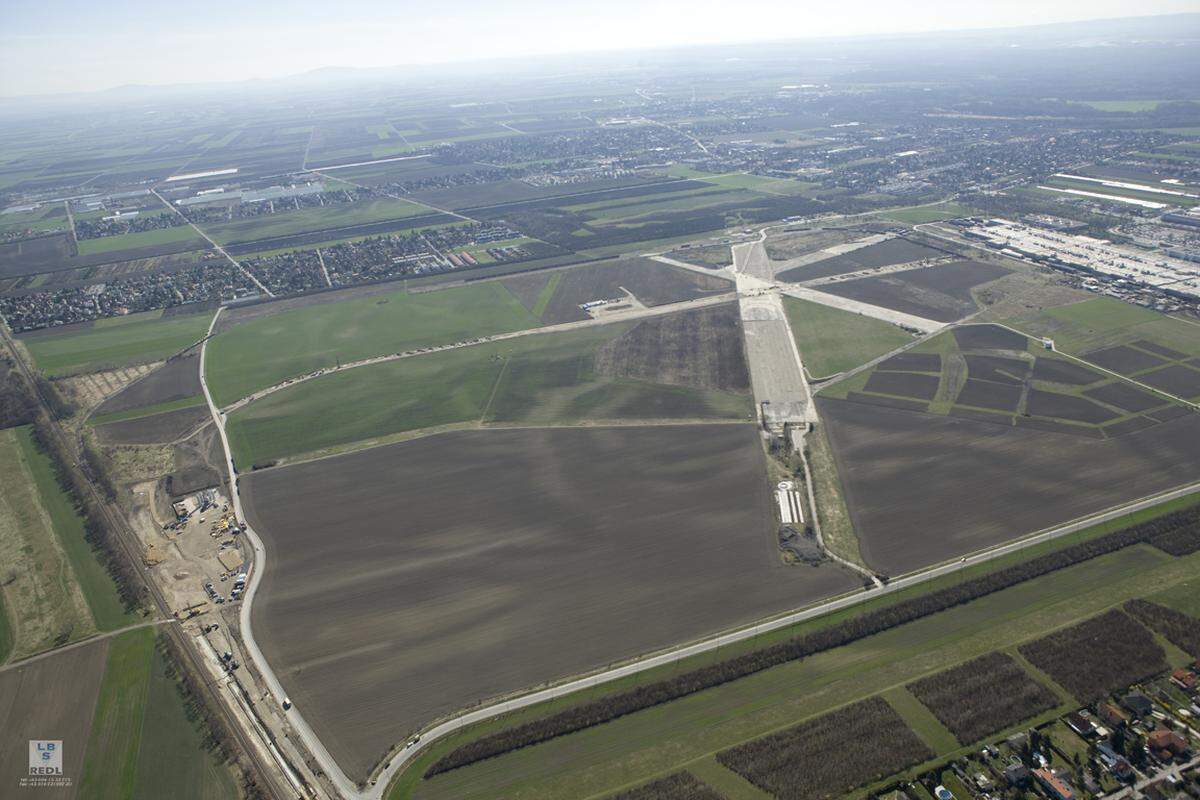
(134, 241)
(173, 760)
(142, 742)
(116, 342)
(98, 588)
(689, 731)
(536, 379)
(285, 223)
(264, 351)
(919, 215)
(833, 341)
(657, 741)
(1105, 321)
(110, 769)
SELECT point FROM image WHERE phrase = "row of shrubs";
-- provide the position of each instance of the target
(1180, 530)
(982, 696)
(830, 755)
(1178, 628)
(1097, 656)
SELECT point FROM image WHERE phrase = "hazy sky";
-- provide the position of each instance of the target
(73, 45)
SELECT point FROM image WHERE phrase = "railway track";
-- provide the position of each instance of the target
(275, 785)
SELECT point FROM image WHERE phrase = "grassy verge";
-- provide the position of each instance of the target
(147, 411)
(657, 740)
(837, 529)
(543, 300)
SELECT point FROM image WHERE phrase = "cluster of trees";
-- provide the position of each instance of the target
(1097, 656)
(982, 696)
(1178, 524)
(831, 754)
(1181, 630)
(680, 786)
(16, 401)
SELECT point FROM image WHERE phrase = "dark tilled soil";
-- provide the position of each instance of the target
(1176, 379)
(886, 402)
(651, 282)
(1053, 426)
(997, 368)
(988, 337)
(1170, 413)
(986, 394)
(35, 255)
(923, 488)
(1124, 396)
(1066, 406)
(1123, 359)
(981, 416)
(912, 362)
(527, 286)
(1057, 370)
(1160, 350)
(904, 384)
(165, 427)
(174, 380)
(198, 463)
(941, 293)
(701, 348)
(893, 251)
(1131, 425)
(54, 696)
(410, 580)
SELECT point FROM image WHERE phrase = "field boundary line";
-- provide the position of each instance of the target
(495, 390)
(95, 637)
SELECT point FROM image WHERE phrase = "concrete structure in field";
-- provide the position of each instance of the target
(776, 372)
(790, 510)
